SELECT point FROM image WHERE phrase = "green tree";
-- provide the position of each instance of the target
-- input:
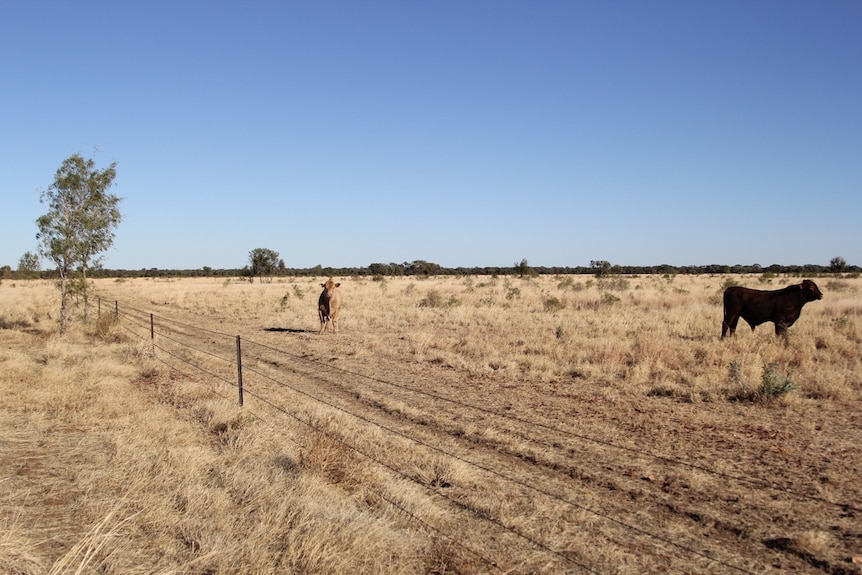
(601, 268)
(837, 265)
(263, 262)
(79, 225)
(29, 265)
(523, 269)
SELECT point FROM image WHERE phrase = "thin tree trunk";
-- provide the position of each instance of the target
(84, 290)
(64, 295)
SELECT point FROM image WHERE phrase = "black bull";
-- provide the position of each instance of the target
(781, 307)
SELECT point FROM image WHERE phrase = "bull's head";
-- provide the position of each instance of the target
(811, 291)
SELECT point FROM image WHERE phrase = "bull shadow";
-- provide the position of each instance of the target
(288, 330)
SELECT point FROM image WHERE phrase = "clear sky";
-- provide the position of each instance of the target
(461, 132)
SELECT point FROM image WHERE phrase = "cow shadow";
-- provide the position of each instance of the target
(288, 330)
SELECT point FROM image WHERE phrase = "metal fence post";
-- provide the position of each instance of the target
(239, 368)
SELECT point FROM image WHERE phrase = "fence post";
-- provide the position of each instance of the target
(117, 310)
(153, 332)
(98, 308)
(239, 368)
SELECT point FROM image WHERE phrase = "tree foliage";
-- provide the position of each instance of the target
(264, 262)
(837, 264)
(29, 265)
(523, 269)
(79, 225)
(601, 268)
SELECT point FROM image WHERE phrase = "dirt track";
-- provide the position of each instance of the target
(591, 480)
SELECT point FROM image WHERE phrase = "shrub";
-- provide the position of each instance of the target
(614, 284)
(609, 298)
(553, 304)
(734, 373)
(728, 282)
(837, 286)
(774, 384)
(435, 300)
(105, 325)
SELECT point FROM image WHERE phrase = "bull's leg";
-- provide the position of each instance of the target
(729, 326)
(334, 324)
(322, 324)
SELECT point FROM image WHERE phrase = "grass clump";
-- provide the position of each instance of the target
(434, 299)
(609, 298)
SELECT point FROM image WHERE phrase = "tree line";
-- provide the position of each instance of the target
(422, 269)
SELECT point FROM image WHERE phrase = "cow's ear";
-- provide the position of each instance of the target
(338, 284)
(323, 285)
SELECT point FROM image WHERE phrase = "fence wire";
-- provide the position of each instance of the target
(219, 344)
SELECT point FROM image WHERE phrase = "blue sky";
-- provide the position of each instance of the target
(465, 133)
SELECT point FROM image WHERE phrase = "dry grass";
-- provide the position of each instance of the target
(564, 388)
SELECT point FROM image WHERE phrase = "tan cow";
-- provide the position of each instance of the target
(328, 305)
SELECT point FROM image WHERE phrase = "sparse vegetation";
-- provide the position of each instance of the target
(630, 410)
(553, 304)
(774, 383)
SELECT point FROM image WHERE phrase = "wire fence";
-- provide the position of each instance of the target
(287, 383)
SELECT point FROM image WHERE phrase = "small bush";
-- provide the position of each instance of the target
(774, 384)
(614, 284)
(513, 293)
(734, 373)
(838, 286)
(434, 299)
(609, 298)
(728, 282)
(105, 325)
(553, 304)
